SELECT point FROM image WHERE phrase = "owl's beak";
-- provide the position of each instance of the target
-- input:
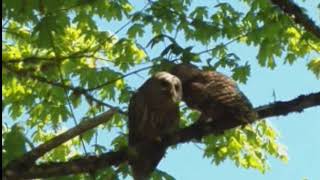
(176, 97)
(166, 91)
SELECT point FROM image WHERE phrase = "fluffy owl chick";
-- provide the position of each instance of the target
(153, 111)
(215, 95)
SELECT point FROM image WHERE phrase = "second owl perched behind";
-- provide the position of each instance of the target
(215, 95)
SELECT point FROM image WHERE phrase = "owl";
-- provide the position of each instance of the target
(153, 111)
(215, 95)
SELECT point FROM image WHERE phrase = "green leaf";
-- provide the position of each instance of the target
(290, 58)
(314, 66)
(119, 142)
(14, 143)
(234, 145)
(161, 175)
(99, 148)
(75, 99)
(241, 73)
(255, 162)
(155, 40)
(88, 135)
(200, 12)
(52, 23)
(15, 111)
(136, 29)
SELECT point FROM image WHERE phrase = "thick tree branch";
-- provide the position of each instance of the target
(197, 130)
(75, 166)
(28, 159)
(285, 107)
(290, 8)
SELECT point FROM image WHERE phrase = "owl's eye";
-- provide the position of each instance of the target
(176, 87)
(165, 83)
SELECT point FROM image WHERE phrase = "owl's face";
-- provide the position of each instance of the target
(168, 86)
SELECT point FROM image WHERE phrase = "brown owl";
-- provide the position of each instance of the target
(153, 111)
(215, 95)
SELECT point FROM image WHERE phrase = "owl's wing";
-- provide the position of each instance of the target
(225, 95)
(148, 119)
(221, 89)
(136, 112)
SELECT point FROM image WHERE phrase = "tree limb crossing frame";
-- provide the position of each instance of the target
(290, 8)
(25, 167)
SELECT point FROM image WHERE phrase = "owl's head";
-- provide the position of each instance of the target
(167, 85)
(185, 72)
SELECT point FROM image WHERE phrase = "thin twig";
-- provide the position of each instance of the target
(22, 74)
(71, 109)
(5, 23)
(55, 49)
(118, 30)
(121, 77)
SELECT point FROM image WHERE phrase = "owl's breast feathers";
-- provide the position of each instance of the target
(154, 123)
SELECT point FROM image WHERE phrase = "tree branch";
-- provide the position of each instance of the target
(279, 108)
(290, 8)
(28, 159)
(55, 59)
(285, 107)
(196, 130)
(75, 166)
(78, 90)
(121, 77)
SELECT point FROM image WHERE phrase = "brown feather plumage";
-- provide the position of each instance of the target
(215, 95)
(153, 111)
